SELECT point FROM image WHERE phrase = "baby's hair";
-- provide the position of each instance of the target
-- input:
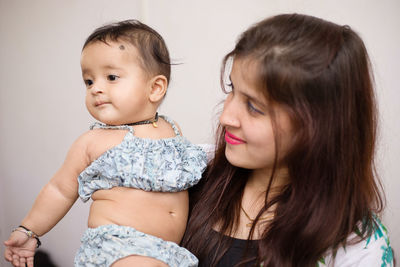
(153, 51)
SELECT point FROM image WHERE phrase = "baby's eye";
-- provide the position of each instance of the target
(112, 77)
(88, 82)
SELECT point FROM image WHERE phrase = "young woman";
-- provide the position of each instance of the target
(292, 182)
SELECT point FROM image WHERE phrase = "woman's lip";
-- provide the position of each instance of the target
(232, 139)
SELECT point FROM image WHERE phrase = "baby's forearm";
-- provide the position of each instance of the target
(49, 208)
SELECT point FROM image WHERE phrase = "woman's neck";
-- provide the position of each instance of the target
(253, 201)
(259, 180)
(256, 187)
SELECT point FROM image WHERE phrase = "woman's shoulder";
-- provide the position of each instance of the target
(374, 250)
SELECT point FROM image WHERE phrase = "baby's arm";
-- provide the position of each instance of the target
(53, 202)
(58, 196)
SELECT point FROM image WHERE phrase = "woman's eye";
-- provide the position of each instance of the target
(112, 77)
(253, 109)
(88, 82)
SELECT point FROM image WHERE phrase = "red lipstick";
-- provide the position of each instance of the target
(232, 139)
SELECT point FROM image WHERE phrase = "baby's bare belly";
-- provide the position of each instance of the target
(159, 214)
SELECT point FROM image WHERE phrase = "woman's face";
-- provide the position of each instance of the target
(249, 133)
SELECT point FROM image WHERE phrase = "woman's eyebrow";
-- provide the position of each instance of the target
(254, 99)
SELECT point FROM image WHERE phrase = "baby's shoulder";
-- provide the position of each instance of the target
(96, 141)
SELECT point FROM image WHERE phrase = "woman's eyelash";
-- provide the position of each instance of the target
(252, 108)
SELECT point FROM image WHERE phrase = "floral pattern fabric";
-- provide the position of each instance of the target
(374, 251)
(104, 245)
(167, 165)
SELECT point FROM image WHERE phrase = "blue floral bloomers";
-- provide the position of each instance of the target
(104, 245)
(164, 165)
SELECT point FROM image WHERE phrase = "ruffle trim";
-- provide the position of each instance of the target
(166, 165)
(104, 245)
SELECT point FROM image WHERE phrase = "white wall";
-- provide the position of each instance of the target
(42, 96)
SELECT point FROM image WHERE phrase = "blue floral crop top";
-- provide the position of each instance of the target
(167, 165)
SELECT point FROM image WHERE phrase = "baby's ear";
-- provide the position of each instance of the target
(159, 86)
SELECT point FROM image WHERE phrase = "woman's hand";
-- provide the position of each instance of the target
(20, 249)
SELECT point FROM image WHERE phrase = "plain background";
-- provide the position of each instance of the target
(42, 94)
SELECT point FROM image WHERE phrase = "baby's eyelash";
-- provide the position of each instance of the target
(112, 77)
(88, 82)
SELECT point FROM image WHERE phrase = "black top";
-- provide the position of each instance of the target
(235, 253)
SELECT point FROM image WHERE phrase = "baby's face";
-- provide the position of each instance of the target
(117, 88)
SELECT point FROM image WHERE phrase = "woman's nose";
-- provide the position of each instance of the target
(229, 116)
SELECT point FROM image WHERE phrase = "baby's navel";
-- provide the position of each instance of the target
(172, 213)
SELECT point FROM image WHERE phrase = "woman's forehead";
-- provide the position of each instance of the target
(247, 72)
(245, 69)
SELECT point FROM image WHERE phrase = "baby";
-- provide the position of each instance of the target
(123, 163)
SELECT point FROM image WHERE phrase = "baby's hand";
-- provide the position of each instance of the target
(20, 249)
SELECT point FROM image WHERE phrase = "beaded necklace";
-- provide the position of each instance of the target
(151, 121)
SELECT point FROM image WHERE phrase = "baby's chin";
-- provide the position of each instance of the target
(107, 119)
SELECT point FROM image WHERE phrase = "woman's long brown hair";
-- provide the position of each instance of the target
(320, 73)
